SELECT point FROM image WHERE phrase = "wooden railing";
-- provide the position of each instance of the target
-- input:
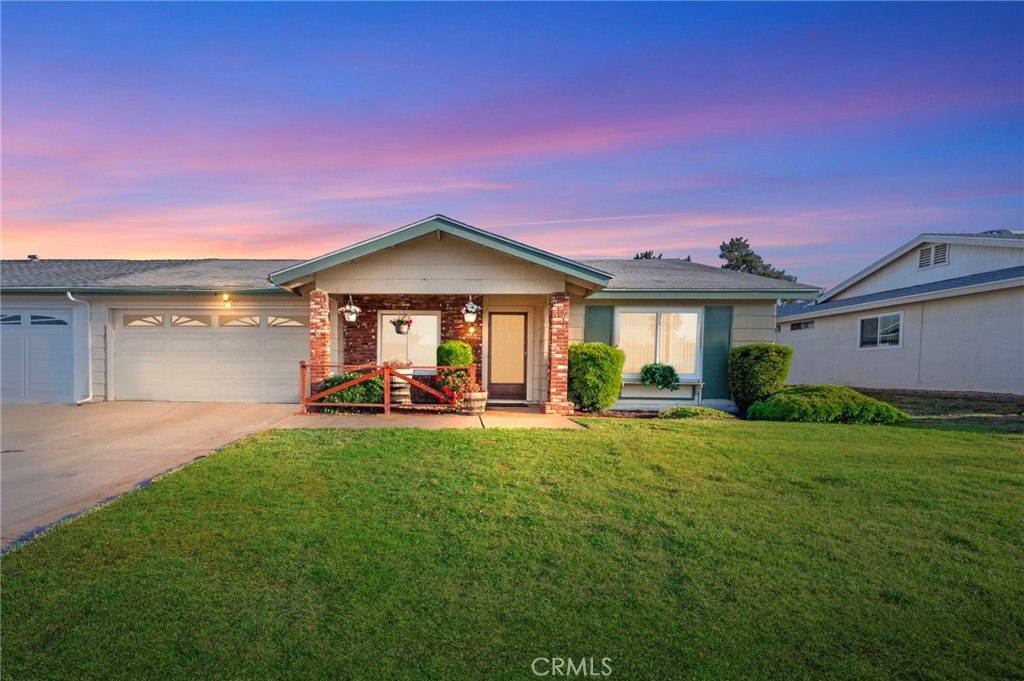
(307, 401)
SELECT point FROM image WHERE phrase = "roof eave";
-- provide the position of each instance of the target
(143, 290)
(711, 294)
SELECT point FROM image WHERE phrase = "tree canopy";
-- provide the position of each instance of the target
(739, 256)
(647, 255)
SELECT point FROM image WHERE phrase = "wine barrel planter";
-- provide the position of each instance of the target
(474, 403)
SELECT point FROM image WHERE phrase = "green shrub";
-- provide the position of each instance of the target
(757, 371)
(454, 353)
(661, 375)
(824, 404)
(694, 413)
(370, 391)
(595, 375)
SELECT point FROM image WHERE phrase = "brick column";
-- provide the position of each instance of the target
(319, 335)
(558, 355)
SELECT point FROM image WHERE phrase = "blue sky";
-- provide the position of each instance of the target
(827, 134)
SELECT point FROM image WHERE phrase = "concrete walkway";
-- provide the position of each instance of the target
(508, 417)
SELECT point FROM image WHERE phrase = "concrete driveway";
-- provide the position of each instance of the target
(60, 460)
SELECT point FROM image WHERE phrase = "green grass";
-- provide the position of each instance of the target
(695, 549)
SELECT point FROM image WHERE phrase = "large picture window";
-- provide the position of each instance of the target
(669, 336)
(419, 346)
(884, 331)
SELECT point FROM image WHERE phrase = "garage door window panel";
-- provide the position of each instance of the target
(238, 321)
(286, 321)
(143, 320)
(10, 319)
(201, 320)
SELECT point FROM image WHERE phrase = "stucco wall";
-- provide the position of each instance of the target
(445, 265)
(967, 343)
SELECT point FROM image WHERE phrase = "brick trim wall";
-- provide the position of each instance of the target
(319, 335)
(558, 355)
(359, 339)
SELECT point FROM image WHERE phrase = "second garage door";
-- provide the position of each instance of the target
(203, 356)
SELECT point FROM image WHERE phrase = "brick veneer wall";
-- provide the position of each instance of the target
(359, 343)
(558, 355)
(319, 335)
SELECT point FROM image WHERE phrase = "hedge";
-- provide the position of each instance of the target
(595, 375)
(757, 371)
(370, 391)
(824, 404)
(702, 413)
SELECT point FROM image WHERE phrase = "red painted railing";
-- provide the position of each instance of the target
(307, 401)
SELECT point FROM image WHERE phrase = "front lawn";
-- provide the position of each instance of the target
(696, 549)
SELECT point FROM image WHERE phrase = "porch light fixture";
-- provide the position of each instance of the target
(226, 297)
(469, 311)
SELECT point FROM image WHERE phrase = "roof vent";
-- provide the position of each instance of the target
(33, 257)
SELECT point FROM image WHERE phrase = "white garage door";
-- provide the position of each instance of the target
(206, 356)
(36, 359)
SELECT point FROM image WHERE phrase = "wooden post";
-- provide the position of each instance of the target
(303, 390)
(387, 390)
(472, 373)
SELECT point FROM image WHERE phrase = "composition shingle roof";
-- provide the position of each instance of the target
(882, 296)
(185, 275)
(673, 274)
(214, 274)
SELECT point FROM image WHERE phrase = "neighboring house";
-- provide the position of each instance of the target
(236, 330)
(944, 312)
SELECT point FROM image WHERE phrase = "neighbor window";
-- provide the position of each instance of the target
(798, 326)
(419, 346)
(666, 336)
(882, 331)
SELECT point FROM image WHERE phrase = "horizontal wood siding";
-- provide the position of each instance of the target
(449, 265)
(963, 260)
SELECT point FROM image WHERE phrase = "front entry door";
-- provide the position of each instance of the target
(507, 375)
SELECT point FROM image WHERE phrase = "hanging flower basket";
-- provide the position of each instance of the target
(469, 311)
(402, 324)
(350, 311)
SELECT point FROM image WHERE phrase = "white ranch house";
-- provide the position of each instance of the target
(236, 330)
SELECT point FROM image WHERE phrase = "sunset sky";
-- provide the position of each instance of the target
(827, 134)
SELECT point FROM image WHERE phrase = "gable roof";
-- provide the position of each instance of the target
(812, 308)
(441, 223)
(112, 276)
(657, 278)
(1001, 238)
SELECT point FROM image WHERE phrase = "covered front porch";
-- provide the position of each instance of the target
(519, 341)
(428, 271)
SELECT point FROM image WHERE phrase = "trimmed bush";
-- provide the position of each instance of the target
(454, 353)
(824, 404)
(370, 391)
(757, 371)
(595, 375)
(702, 413)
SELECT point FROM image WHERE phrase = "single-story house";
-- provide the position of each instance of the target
(236, 330)
(942, 312)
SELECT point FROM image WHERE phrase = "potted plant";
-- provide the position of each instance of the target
(475, 401)
(401, 391)
(350, 311)
(402, 324)
(469, 311)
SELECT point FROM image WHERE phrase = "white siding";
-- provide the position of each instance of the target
(449, 265)
(966, 343)
(963, 260)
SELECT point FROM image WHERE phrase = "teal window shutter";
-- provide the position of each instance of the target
(717, 342)
(597, 325)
